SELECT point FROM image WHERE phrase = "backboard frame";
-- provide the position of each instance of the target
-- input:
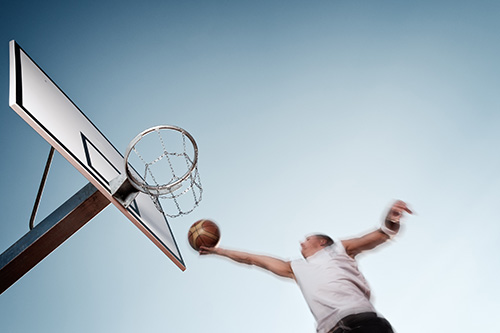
(142, 211)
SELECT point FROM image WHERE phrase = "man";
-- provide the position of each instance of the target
(328, 276)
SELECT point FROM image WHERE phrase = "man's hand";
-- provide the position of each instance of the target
(208, 250)
(392, 221)
(397, 212)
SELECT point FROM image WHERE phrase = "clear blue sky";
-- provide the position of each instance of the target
(310, 116)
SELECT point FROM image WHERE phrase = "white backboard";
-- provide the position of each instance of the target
(46, 108)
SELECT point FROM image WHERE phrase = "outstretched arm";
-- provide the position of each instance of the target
(274, 265)
(389, 228)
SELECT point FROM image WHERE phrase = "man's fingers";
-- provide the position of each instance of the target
(401, 205)
(206, 250)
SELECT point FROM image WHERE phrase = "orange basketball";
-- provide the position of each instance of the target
(203, 233)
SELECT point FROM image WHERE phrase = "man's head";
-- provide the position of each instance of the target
(314, 243)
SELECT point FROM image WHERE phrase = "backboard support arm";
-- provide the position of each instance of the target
(47, 235)
(42, 185)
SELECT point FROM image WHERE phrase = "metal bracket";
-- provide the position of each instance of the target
(122, 190)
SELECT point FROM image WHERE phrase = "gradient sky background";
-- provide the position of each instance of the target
(309, 115)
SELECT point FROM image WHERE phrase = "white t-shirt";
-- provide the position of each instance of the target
(332, 286)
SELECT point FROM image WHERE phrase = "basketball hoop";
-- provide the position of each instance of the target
(162, 162)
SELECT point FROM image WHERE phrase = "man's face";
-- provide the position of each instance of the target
(311, 245)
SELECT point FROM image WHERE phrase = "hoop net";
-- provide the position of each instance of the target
(163, 163)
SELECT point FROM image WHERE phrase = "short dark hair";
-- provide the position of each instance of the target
(328, 240)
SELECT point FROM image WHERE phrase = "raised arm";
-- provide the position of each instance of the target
(274, 265)
(390, 228)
